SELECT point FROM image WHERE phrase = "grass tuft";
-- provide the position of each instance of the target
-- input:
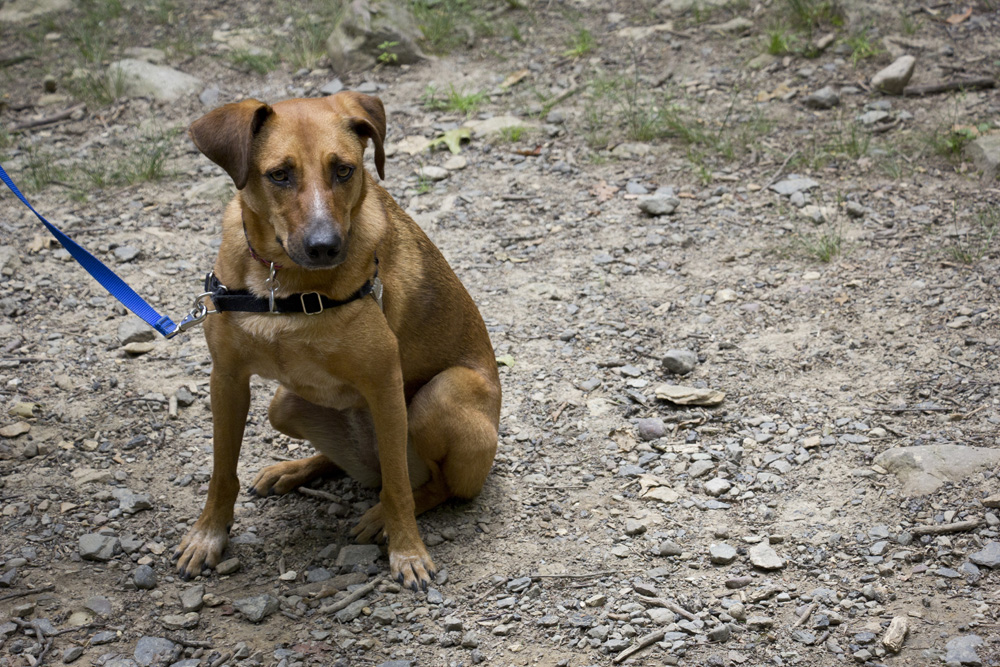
(453, 100)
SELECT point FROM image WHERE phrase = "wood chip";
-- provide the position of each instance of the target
(896, 634)
(689, 395)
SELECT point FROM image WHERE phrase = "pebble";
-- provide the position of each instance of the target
(634, 527)
(720, 633)
(144, 578)
(722, 554)
(358, 554)
(962, 650)
(650, 428)
(130, 502)
(792, 185)
(228, 566)
(700, 468)
(893, 79)
(149, 649)
(71, 654)
(256, 609)
(824, 98)
(656, 205)
(126, 253)
(669, 548)
(989, 556)
(193, 599)
(181, 621)
(134, 330)
(433, 173)
(872, 117)
(762, 556)
(456, 163)
(332, 87)
(136, 349)
(680, 362)
(94, 546)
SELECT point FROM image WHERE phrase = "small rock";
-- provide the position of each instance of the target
(144, 578)
(700, 468)
(651, 428)
(210, 96)
(989, 556)
(872, 117)
(759, 622)
(228, 566)
(332, 87)
(824, 98)
(358, 554)
(180, 621)
(735, 25)
(433, 173)
(16, 429)
(792, 185)
(893, 79)
(762, 556)
(720, 633)
(184, 397)
(717, 486)
(94, 546)
(149, 649)
(136, 349)
(669, 548)
(126, 253)
(71, 654)
(134, 330)
(680, 362)
(985, 155)
(383, 616)
(722, 554)
(130, 503)
(962, 651)
(257, 608)
(656, 205)
(634, 527)
(104, 637)
(456, 163)
(193, 599)
(855, 210)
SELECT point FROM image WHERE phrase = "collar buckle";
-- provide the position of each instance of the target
(319, 303)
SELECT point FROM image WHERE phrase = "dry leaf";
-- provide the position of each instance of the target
(656, 488)
(15, 430)
(841, 298)
(689, 395)
(529, 152)
(603, 191)
(955, 19)
(515, 78)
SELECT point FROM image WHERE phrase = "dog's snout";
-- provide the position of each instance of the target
(322, 245)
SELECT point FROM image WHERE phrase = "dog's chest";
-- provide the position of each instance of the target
(296, 353)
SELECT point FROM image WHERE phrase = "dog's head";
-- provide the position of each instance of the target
(299, 166)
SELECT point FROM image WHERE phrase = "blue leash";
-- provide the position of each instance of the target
(110, 280)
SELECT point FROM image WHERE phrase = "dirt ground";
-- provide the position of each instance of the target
(854, 317)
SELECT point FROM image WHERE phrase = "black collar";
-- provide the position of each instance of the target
(309, 303)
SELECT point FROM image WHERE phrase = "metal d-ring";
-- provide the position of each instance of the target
(272, 286)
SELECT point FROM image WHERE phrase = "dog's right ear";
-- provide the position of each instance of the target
(225, 135)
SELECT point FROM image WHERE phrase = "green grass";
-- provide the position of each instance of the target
(823, 246)
(449, 24)
(305, 47)
(810, 14)
(580, 44)
(40, 170)
(863, 47)
(779, 41)
(256, 63)
(454, 100)
(512, 134)
(978, 242)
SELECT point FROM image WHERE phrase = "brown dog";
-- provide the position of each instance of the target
(407, 397)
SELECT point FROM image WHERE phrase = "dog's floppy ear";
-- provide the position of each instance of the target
(225, 135)
(367, 118)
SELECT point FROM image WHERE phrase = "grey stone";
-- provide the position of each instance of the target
(318, 574)
(351, 611)
(872, 117)
(989, 556)
(94, 546)
(824, 98)
(985, 154)
(358, 554)
(717, 486)
(72, 654)
(656, 205)
(722, 554)
(228, 566)
(792, 185)
(762, 556)
(19, 11)
(180, 621)
(396, 663)
(433, 173)
(760, 622)
(383, 615)
(9, 260)
(700, 468)
(99, 605)
(923, 469)
(634, 188)
(8, 578)
(257, 608)
(104, 637)
(332, 87)
(126, 253)
(735, 25)
(962, 651)
(720, 633)
(669, 548)
(148, 649)
(192, 599)
(358, 40)
(452, 624)
(214, 189)
(144, 578)
(651, 428)
(130, 502)
(184, 397)
(134, 330)
(680, 362)
(210, 96)
(634, 527)
(893, 79)
(855, 210)
(142, 79)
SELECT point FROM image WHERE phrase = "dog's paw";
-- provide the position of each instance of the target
(200, 549)
(371, 527)
(279, 479)
(412, 567)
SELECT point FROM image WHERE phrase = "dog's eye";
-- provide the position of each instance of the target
(278, 176)
(344, 172)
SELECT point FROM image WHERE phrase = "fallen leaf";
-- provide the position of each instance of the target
(689, 395)
(413, 144)
(25, 410)
(955, 19)
(453, 139)
(841, 298)
(14, 430)
(515, 78)
(505, 360)
(782, 90)
(656, 488)
(603, 191)
(529, 152)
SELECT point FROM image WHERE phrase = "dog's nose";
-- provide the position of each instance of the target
(323, 245)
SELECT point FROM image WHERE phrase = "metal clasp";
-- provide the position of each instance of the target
(199, 311)
(376, 292)
(272, 286)
(319, 301)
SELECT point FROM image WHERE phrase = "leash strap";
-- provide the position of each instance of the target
(117, 287)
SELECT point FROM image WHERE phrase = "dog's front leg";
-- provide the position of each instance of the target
(409, 562)
(204, 544)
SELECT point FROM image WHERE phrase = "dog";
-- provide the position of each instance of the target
(398, 388)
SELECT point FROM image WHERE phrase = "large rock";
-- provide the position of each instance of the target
(365, 30)
(142, 79)
(985, 154)
(924, 469)
(962, 651)
(18, 11)
(893, 79)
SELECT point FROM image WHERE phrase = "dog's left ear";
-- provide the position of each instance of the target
(367, 117)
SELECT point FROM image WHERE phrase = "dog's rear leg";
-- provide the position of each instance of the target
(338, 436)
